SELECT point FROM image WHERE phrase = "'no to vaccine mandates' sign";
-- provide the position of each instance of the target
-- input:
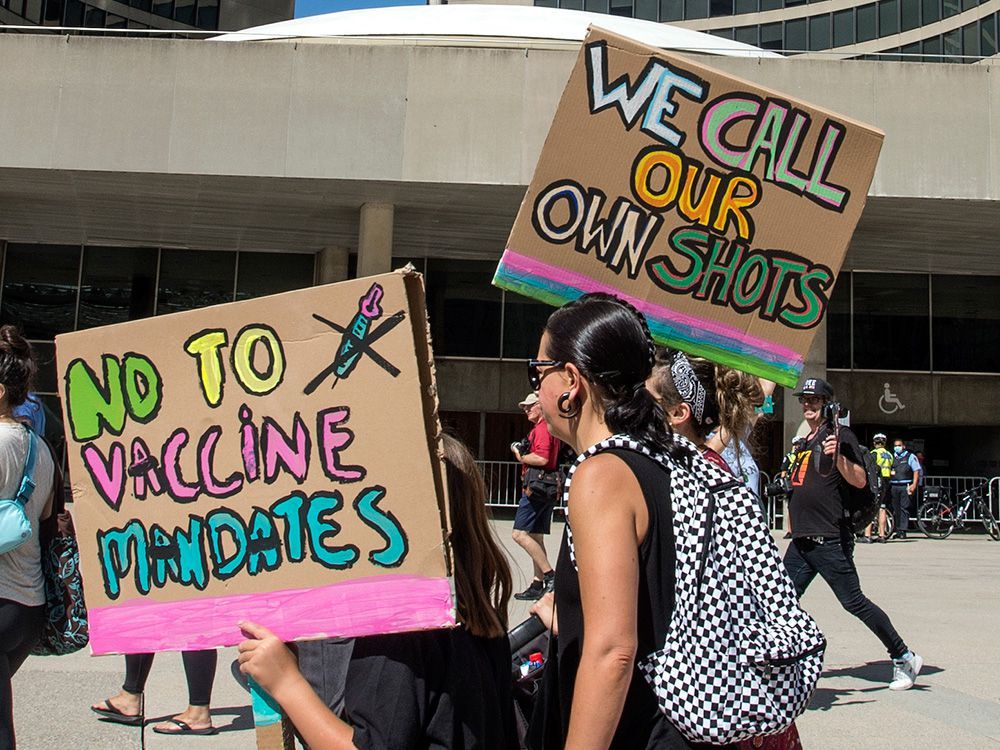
(272, 460)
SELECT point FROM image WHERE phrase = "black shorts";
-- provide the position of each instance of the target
(534, 516)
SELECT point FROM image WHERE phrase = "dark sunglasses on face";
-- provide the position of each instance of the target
(535, 377)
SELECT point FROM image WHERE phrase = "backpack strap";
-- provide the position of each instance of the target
(27, 477)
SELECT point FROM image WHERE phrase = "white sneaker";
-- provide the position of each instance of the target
(905, 671)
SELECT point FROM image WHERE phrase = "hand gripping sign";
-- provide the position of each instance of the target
(273, 460)
(720, 209)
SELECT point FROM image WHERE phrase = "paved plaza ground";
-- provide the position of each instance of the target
(943, 597)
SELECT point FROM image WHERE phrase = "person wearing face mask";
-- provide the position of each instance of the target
(903, 480)
(822, 537)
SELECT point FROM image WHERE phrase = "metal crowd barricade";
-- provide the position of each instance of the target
(503, 482)
(955, 485)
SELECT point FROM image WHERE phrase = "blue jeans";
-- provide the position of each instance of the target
(834, 561)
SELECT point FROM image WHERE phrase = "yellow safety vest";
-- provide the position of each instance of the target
(884, 460)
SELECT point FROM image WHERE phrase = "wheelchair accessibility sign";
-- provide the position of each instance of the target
(889, 402)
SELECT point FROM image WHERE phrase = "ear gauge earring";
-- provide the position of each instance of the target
(567, 409)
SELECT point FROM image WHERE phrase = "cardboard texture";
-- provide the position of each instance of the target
(721, 209)
(273, 460)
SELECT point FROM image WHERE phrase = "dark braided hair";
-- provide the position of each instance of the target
(17, 365)
(609, 342)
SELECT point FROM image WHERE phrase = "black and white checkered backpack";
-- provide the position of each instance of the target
(740, 657)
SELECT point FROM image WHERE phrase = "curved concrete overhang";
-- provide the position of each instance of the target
(498, 25)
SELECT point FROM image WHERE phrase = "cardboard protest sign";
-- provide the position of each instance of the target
(720, 209)
(273, 460)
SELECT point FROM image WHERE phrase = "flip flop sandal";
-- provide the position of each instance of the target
(183, 728)
(114, 714)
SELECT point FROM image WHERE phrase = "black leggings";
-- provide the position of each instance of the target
(834, 561)
(199, 668)
(20, 628)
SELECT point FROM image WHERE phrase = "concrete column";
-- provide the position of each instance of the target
(815, 367)
(375, 239)
(331, 265)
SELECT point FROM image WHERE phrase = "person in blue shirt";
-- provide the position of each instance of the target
(904, 477)
(31, 413)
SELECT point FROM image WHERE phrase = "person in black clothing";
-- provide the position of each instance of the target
(614, 576)
(433, 689)
(822, 542)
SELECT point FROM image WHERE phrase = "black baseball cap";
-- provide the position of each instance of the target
(815, 387)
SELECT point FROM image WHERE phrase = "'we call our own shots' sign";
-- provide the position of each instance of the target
(720, 209)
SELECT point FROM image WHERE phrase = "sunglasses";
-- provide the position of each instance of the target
(810, 399)
(534, 377)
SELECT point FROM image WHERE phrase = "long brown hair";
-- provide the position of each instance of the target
(482, 576)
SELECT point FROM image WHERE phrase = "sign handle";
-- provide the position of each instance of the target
(274, 730)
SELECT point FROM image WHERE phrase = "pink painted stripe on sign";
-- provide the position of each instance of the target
(368, 606)
(586, 285)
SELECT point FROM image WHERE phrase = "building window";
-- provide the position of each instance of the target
(747, 6)
(748, 35)
(819, 32)
(970, 39)
(770, 36)
(464, 308)
(888, 18)
(671, 10)
(695, 8)
(930, 11)
(950, 8)
(932, 49)
(190, 279)
(770, 4)
(720, 8)
(838, 324)
(39, 289)
(208, 14)
(117, 284)
(953, 44)
(260, 274)
(909, 14)
(596, 6)
(843, 28)
(966, 323)
(647, 10)
(795, 35)
(523, 322)
(988, 36)
(891, 326)
(867, 23)
(184, 11)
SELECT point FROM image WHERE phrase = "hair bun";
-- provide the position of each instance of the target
(17, 364)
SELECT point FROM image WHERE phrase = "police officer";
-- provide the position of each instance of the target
(883, 458)
(903, 480)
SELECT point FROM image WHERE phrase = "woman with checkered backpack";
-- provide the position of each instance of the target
(698, 398)
(614, 577)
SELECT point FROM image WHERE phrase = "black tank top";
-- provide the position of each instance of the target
(642, 724)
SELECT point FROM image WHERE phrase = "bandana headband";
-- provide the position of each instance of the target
(691, 391)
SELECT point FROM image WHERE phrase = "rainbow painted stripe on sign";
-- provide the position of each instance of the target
(698, 336)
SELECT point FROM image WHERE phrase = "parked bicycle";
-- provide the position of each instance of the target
(938, 518)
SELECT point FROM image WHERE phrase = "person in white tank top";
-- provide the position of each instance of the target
(22, 596)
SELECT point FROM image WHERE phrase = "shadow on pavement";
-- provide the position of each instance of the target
(242, 719)
(878, 672)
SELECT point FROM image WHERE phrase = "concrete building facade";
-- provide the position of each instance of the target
(216, 171)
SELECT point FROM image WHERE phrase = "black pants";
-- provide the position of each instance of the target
(199, 668)
(834, 561)
(20, 628)
(902, 502)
